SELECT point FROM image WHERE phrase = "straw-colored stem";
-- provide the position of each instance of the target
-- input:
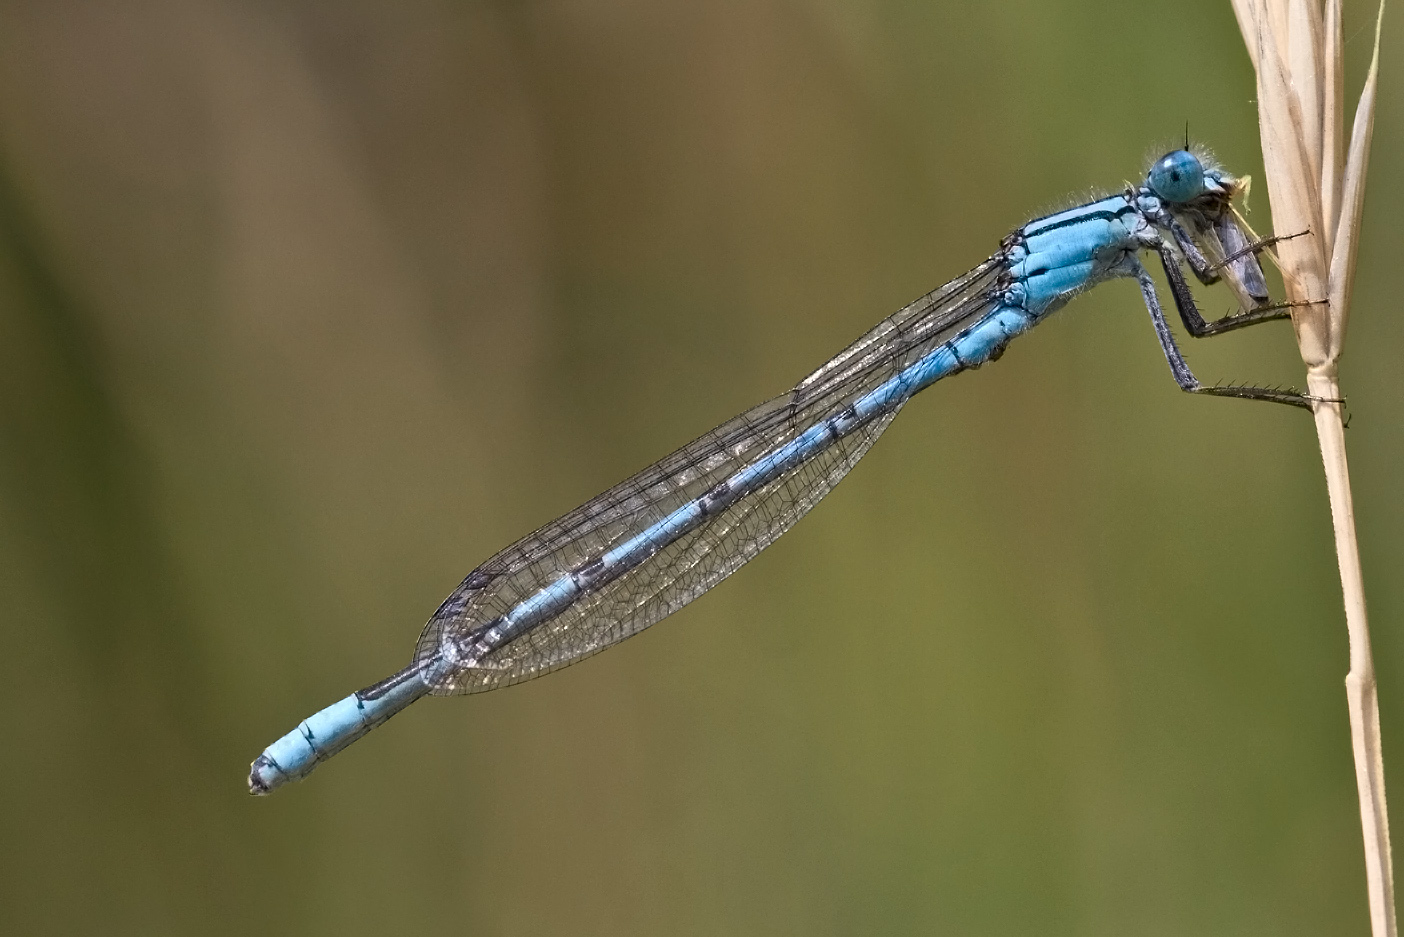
(1361, 697)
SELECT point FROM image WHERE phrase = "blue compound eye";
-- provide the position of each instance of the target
(1177, 177)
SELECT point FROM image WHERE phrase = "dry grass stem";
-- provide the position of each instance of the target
(1297, 52)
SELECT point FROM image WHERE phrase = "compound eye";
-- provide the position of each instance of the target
(1177, 177)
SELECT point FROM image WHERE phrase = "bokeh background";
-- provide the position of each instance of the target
(306, 309)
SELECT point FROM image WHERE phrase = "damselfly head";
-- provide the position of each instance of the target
(1178, 177)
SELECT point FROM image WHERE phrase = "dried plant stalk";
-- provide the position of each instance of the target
(1297, 53)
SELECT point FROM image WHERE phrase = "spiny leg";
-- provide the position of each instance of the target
(1181, 371)
(1189, 312)
(1255, 246)
(1207, 272)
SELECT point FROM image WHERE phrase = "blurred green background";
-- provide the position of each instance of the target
(306, 309)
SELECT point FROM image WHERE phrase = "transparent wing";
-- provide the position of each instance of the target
(694, 563)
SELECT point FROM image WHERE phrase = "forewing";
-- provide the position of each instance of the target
(691, 565)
